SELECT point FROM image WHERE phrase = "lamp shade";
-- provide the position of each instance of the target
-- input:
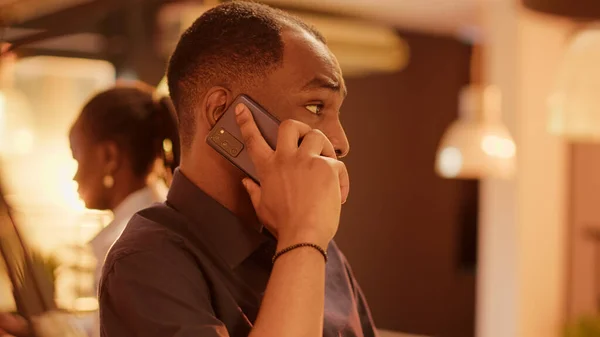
(574, 105)
(360, 46)
(477, 145)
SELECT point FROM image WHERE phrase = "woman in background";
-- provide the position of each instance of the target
(126, 145)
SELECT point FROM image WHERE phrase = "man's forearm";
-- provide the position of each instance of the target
(293, 304)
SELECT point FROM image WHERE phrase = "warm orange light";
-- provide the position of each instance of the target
(574, 105)
(163, 89)
(83, 304)
(16, 133)
(477, 145)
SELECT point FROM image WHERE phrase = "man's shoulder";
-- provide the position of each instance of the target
(145, 234)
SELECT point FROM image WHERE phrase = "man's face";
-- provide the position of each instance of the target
(308, 87)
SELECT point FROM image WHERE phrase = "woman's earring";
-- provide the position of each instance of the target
(108, 181)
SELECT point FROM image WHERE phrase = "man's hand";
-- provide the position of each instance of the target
(13, 325)
(302, 187)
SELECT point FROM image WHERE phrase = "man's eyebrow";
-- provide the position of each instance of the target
(325, 82)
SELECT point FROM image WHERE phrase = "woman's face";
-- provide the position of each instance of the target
(90, 169)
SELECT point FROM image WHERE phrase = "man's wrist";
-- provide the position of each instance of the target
(285, 241)
(289, 249)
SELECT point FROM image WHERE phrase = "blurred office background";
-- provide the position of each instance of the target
(473, 126)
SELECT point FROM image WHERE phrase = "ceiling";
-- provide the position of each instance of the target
(446, 17)
(101, 28)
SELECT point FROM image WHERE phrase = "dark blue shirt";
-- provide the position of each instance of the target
(189, 267)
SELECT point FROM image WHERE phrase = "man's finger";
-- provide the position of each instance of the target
(253, 190)
(289, 135)
(316, 143)
(344, 180)
(257, 147)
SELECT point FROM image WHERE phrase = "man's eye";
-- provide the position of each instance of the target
(314, 108)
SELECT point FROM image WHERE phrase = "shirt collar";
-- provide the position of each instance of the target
(233, 240)
(139, 200)
(133, 203)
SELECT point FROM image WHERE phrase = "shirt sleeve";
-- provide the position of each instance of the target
(146, 294)
(364, 313)
(366, 321)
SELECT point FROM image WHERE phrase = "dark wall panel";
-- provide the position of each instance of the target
(408, 234)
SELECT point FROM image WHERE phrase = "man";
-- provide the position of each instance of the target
(201, 264)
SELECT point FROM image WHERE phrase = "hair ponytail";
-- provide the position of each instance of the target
(167, 132)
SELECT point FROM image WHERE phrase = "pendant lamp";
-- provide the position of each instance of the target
(574, 104)
(477, 145)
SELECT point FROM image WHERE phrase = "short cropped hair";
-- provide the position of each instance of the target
(234, 43)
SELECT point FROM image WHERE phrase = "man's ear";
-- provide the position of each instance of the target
(215, 103)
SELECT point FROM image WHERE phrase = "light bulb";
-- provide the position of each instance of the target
(450, 162)
(497, 146)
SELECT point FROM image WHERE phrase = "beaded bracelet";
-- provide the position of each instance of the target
(298, 245)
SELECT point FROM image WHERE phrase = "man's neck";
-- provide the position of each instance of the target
(222, 182)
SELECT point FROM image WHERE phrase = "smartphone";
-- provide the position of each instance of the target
(226, 138)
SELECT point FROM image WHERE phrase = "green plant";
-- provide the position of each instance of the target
(584, 327)
(36, 285)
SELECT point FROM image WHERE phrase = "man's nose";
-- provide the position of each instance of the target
(337, 137)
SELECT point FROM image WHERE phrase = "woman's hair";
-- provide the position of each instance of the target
(143, 126)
